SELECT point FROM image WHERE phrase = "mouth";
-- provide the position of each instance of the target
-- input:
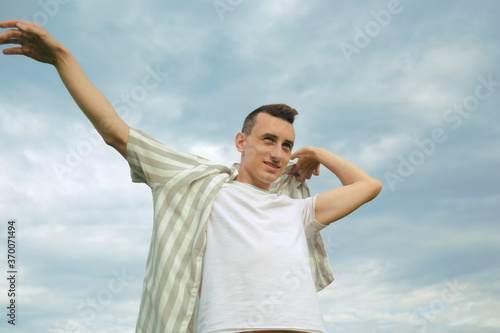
(272, 166)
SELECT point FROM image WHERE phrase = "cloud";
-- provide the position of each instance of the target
(81, 220)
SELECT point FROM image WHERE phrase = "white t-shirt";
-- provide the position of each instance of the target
(256, 269)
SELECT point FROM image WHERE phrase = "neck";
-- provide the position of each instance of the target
(242, 179)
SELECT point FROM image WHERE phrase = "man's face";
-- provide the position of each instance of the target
(266, 151)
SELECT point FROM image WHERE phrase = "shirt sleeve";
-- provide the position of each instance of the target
(152, 162)
(311, 226)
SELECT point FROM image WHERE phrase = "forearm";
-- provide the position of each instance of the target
(38, 44)
(358, 189)
(347, 172)
(91, 101)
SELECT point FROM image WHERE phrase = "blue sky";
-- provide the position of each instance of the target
(407, 90)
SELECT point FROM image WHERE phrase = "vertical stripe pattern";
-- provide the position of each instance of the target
(184, 188)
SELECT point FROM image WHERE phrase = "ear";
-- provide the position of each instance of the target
(240, 142)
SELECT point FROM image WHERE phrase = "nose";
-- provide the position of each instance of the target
(276, 153)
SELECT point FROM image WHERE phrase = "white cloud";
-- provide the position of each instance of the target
(370, 303)
(16, 120)
(391, 258)
(224, 154)
(376, 154)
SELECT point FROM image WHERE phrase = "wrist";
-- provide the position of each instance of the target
(61, 56)
(320, 154)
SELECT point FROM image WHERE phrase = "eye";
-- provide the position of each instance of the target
(269, 139)
(287, 146)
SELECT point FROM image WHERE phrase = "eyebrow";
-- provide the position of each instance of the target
(274, 136)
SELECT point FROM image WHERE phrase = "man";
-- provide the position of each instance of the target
(229, 251)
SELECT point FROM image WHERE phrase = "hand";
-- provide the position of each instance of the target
(35, 42)
(307, 163)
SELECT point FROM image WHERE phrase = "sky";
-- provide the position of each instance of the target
(407, 90)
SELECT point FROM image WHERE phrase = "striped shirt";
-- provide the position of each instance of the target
(184, 187)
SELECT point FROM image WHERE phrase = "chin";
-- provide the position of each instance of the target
(272, 179)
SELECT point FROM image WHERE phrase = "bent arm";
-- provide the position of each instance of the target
(358, 187)
(39, 45)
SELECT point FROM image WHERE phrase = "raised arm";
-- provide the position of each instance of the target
(39, 45)
(358, 187)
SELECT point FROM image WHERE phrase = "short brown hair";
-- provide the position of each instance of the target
(282, 111)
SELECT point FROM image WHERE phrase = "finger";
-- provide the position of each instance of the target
(26, 38)
(13, 50)
(10, 23)
(297, 154)
(11, 37)
(295, 174)
(21, 25)
(294, 170)
(298, 176)
(302, 177)
(30, 28)
(309, 174)
(316, 171)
